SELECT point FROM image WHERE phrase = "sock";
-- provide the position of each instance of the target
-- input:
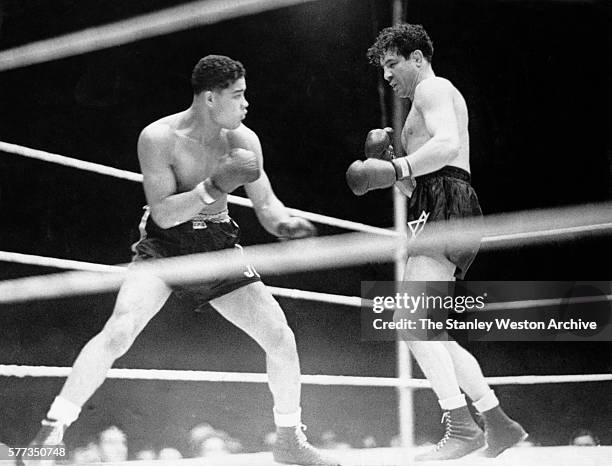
(453, 402)
(487, 402)
(64, 411)
(288, 420)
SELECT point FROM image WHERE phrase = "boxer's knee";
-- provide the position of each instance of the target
(434, 267)
(122, 328)
(118, 336)
(120, 333)
(280, 341)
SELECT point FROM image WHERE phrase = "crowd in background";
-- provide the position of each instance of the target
(207, 442)
(111, 445)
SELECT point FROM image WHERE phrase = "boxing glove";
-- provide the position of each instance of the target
(295, 228)
(364, 176)
(378, 144)
(235, 169)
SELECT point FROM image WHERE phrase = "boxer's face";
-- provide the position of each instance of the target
(229, 106)
(400, 72)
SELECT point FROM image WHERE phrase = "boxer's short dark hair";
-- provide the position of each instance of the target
(215, 72)
(403, 39)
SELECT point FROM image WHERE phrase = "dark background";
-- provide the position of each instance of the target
(534, 74)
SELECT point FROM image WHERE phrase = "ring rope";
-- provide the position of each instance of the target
(353, 301)
(347, 224)
(530, 303)
(248, 377)
(42, 261)
(137, 177)
(601, 227)
(141, 27)
(323, 252)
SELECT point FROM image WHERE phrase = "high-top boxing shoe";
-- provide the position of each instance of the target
(51, 434)
(501, 432)
(291, 447)
(461, 437)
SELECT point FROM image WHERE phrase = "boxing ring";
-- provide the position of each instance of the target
(568, 224)
(373, 243)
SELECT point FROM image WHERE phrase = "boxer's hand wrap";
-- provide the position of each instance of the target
(402, 167)
(364, 176)
(378, 144)
(207, 192)
(295, 228)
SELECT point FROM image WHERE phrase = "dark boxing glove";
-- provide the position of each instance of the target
(235, 169)
(378, 144)
(364, 176)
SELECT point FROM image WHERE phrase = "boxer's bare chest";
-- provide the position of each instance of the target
(193, 161)
(414, 133)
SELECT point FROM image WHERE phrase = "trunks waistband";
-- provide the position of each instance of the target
(217, 217)
(448, 171)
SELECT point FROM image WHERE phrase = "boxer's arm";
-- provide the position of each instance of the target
(167, 207)
(434, 100)
(270, 211)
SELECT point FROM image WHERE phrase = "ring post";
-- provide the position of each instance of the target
(404, 361)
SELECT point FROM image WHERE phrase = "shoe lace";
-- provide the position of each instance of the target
(446, 419)
(301, 436)
(310, 452)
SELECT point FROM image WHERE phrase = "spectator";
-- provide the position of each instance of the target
(584, 438)
(329, 441)
(213, 447)
(146, 454)
(113, 445)
(220, 441)
(169, 453)
(86, 455)
(368, 442)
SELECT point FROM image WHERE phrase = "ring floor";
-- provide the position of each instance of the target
(524, 456)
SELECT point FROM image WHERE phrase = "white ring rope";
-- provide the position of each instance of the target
(249, 377)
(545, 234)
(349, 225)
(92, 267)
(141, 27)
(42, 261)
(353, 301)
(137, 177)
(531, 303)
(324, 252)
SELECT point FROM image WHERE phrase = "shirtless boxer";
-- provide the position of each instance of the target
(436, 176)
(190, 161)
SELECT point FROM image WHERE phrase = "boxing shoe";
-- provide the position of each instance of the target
(501, 432)
(51, 433)
(291, 447)
(461, 437)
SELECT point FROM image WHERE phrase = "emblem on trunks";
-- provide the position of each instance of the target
(198, 224)
(416, 226)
